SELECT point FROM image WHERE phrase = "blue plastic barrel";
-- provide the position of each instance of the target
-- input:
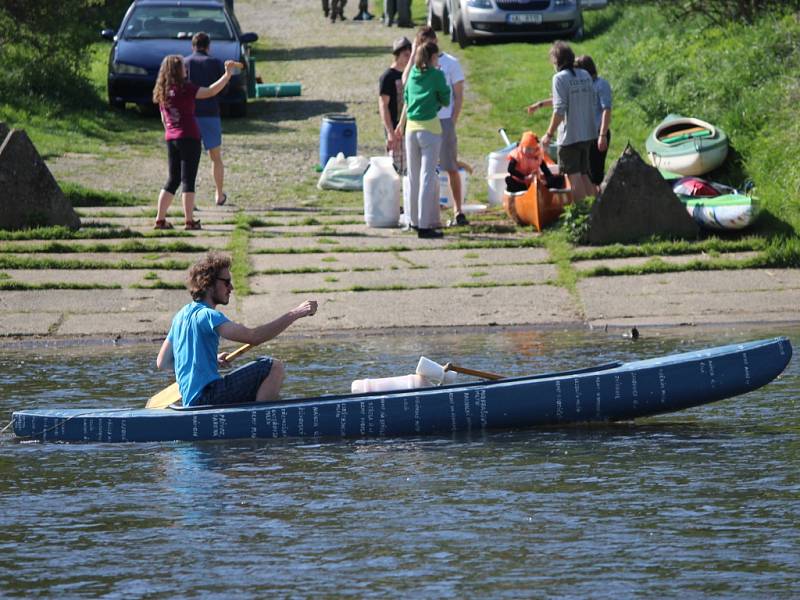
(337, 134)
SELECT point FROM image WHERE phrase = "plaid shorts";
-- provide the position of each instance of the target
(238, 386)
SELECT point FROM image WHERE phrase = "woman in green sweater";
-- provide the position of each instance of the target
(426, 91)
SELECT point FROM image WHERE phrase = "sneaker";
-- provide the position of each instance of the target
(430, 234)
(461, 219)
(193, 225)
(163, 224)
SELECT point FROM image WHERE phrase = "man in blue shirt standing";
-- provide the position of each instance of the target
(203, 70)
(191, 347)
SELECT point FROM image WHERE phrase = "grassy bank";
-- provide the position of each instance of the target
(741, 78)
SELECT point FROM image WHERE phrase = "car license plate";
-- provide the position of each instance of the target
(520, 18)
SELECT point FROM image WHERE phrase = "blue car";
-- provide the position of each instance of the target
(153, 29)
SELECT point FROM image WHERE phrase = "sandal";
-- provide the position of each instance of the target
(224, 199)
(163, 224)
(194, 224)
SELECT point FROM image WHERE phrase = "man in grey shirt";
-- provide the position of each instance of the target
(574, 100)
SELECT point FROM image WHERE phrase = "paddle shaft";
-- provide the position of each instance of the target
(474, 372)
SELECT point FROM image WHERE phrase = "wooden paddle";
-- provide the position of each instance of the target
(474, 372)
(172, 394)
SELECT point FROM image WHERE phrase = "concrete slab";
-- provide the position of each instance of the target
(122, 277)
(133, 324)
(536, 305)
(27, 324)
(116, 302)
(445, 278)
(477, 257)
(325, 243)
(329, 260)
(439, 259)
(692, 297)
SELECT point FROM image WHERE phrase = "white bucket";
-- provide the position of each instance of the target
(385, 384)
(496, 171)
(446, 192)
(433, 372)
(381, 193)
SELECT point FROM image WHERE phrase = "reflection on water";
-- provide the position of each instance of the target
(702, 503)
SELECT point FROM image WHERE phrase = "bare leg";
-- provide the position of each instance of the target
(271, 386)
(455, 187)
(580, 186)
(188, 205)
(217, 171)
(164, 201)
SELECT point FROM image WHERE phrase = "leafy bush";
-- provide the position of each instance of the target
(44, 48)
(575, 220)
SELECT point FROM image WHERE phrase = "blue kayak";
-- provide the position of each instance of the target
(606, 393)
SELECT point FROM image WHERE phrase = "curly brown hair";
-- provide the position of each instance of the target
(171, 73)
(203, 274)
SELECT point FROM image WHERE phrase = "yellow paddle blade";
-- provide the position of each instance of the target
(165, 397)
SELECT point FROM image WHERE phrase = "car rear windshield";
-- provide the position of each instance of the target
(168, 22)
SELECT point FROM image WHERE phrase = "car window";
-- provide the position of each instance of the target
(149, 22)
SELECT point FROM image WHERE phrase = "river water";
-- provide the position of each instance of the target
(703, 503)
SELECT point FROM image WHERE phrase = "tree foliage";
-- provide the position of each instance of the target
(720, 12)
(43, 47)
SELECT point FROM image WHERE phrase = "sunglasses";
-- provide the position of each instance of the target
(226, 281)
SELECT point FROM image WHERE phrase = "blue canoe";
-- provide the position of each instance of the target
(610, 392)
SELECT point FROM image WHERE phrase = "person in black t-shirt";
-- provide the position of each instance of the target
(390, 101)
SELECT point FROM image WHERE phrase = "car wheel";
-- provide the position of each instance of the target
(578, 35)
(148, 110)
(459, 34)
(116, 104)
(434, 22)
(239, 109)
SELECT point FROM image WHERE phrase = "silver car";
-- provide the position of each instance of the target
(467, 21)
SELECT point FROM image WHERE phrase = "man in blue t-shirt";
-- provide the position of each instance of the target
(192, 344)
(203, 70)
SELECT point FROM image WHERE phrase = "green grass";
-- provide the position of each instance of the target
(59, 232)
(560, 252)
(726, 75)
(673, 248)
(159, 284)
(239, 246)
(79, 195)
(93, 129)
(25, 262)
(19, 286)
(131, 246)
